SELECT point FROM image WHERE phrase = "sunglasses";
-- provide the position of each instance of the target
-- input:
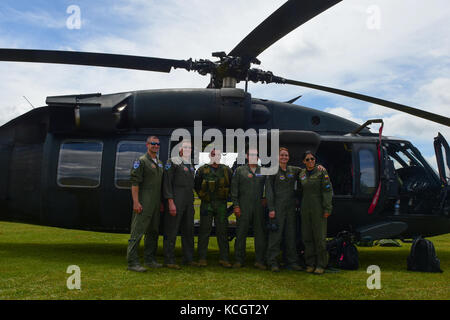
(310, 159)
(154, 143)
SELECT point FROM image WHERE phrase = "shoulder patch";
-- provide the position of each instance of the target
(167, 167)
(136, 164)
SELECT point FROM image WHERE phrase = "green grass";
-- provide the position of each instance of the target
(34, 260)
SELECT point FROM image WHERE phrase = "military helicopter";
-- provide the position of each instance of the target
(67, 164)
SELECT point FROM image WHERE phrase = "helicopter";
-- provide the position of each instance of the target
(67, 164)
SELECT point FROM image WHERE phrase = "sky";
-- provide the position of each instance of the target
(397, 50)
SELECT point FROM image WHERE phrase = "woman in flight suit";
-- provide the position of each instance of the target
(316, 206)
(280, 194)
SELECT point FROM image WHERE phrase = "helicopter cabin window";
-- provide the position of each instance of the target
(367, 180)
(80, 164)
(127, 153)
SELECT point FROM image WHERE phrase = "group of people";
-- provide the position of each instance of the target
(170, 188)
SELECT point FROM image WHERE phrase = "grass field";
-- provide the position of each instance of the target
(34, 260)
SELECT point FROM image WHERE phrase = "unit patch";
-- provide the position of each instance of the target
(136, 164)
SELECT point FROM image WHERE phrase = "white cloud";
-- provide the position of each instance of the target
(345, 113)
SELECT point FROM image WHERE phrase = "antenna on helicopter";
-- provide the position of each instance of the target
(28, 101)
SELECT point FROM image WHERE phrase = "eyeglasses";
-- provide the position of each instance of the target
(154, 143)
(310, 159)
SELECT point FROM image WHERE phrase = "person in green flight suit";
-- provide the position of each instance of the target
(146, 180)
(178, 189)
(212, 184)
(247, 189)
(316, 206)
(281, 198)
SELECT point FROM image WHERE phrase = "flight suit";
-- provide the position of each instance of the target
(317, 194)
(178, 184)
(147, 174)
(281, 197)
(213, 188)
(247, 189)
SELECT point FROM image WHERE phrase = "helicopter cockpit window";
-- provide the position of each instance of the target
(367, 167)
(80, 164)
(127, 152)
(410, 168)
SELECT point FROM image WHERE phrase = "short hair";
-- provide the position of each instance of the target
(151, 137)
(283, 149)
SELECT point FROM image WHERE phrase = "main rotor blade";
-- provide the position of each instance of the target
(400, 107)
(92, 59)
(288, 17)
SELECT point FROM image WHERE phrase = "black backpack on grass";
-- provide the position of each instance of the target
(343, 253)
(423, 256)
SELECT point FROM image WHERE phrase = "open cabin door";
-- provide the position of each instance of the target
(444, 201)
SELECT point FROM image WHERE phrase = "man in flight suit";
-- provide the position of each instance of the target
(247, 189)
(146, 179)
(212, 184)
(178, 186)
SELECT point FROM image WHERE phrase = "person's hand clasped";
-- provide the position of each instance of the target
(172, 209)
(137, 207)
